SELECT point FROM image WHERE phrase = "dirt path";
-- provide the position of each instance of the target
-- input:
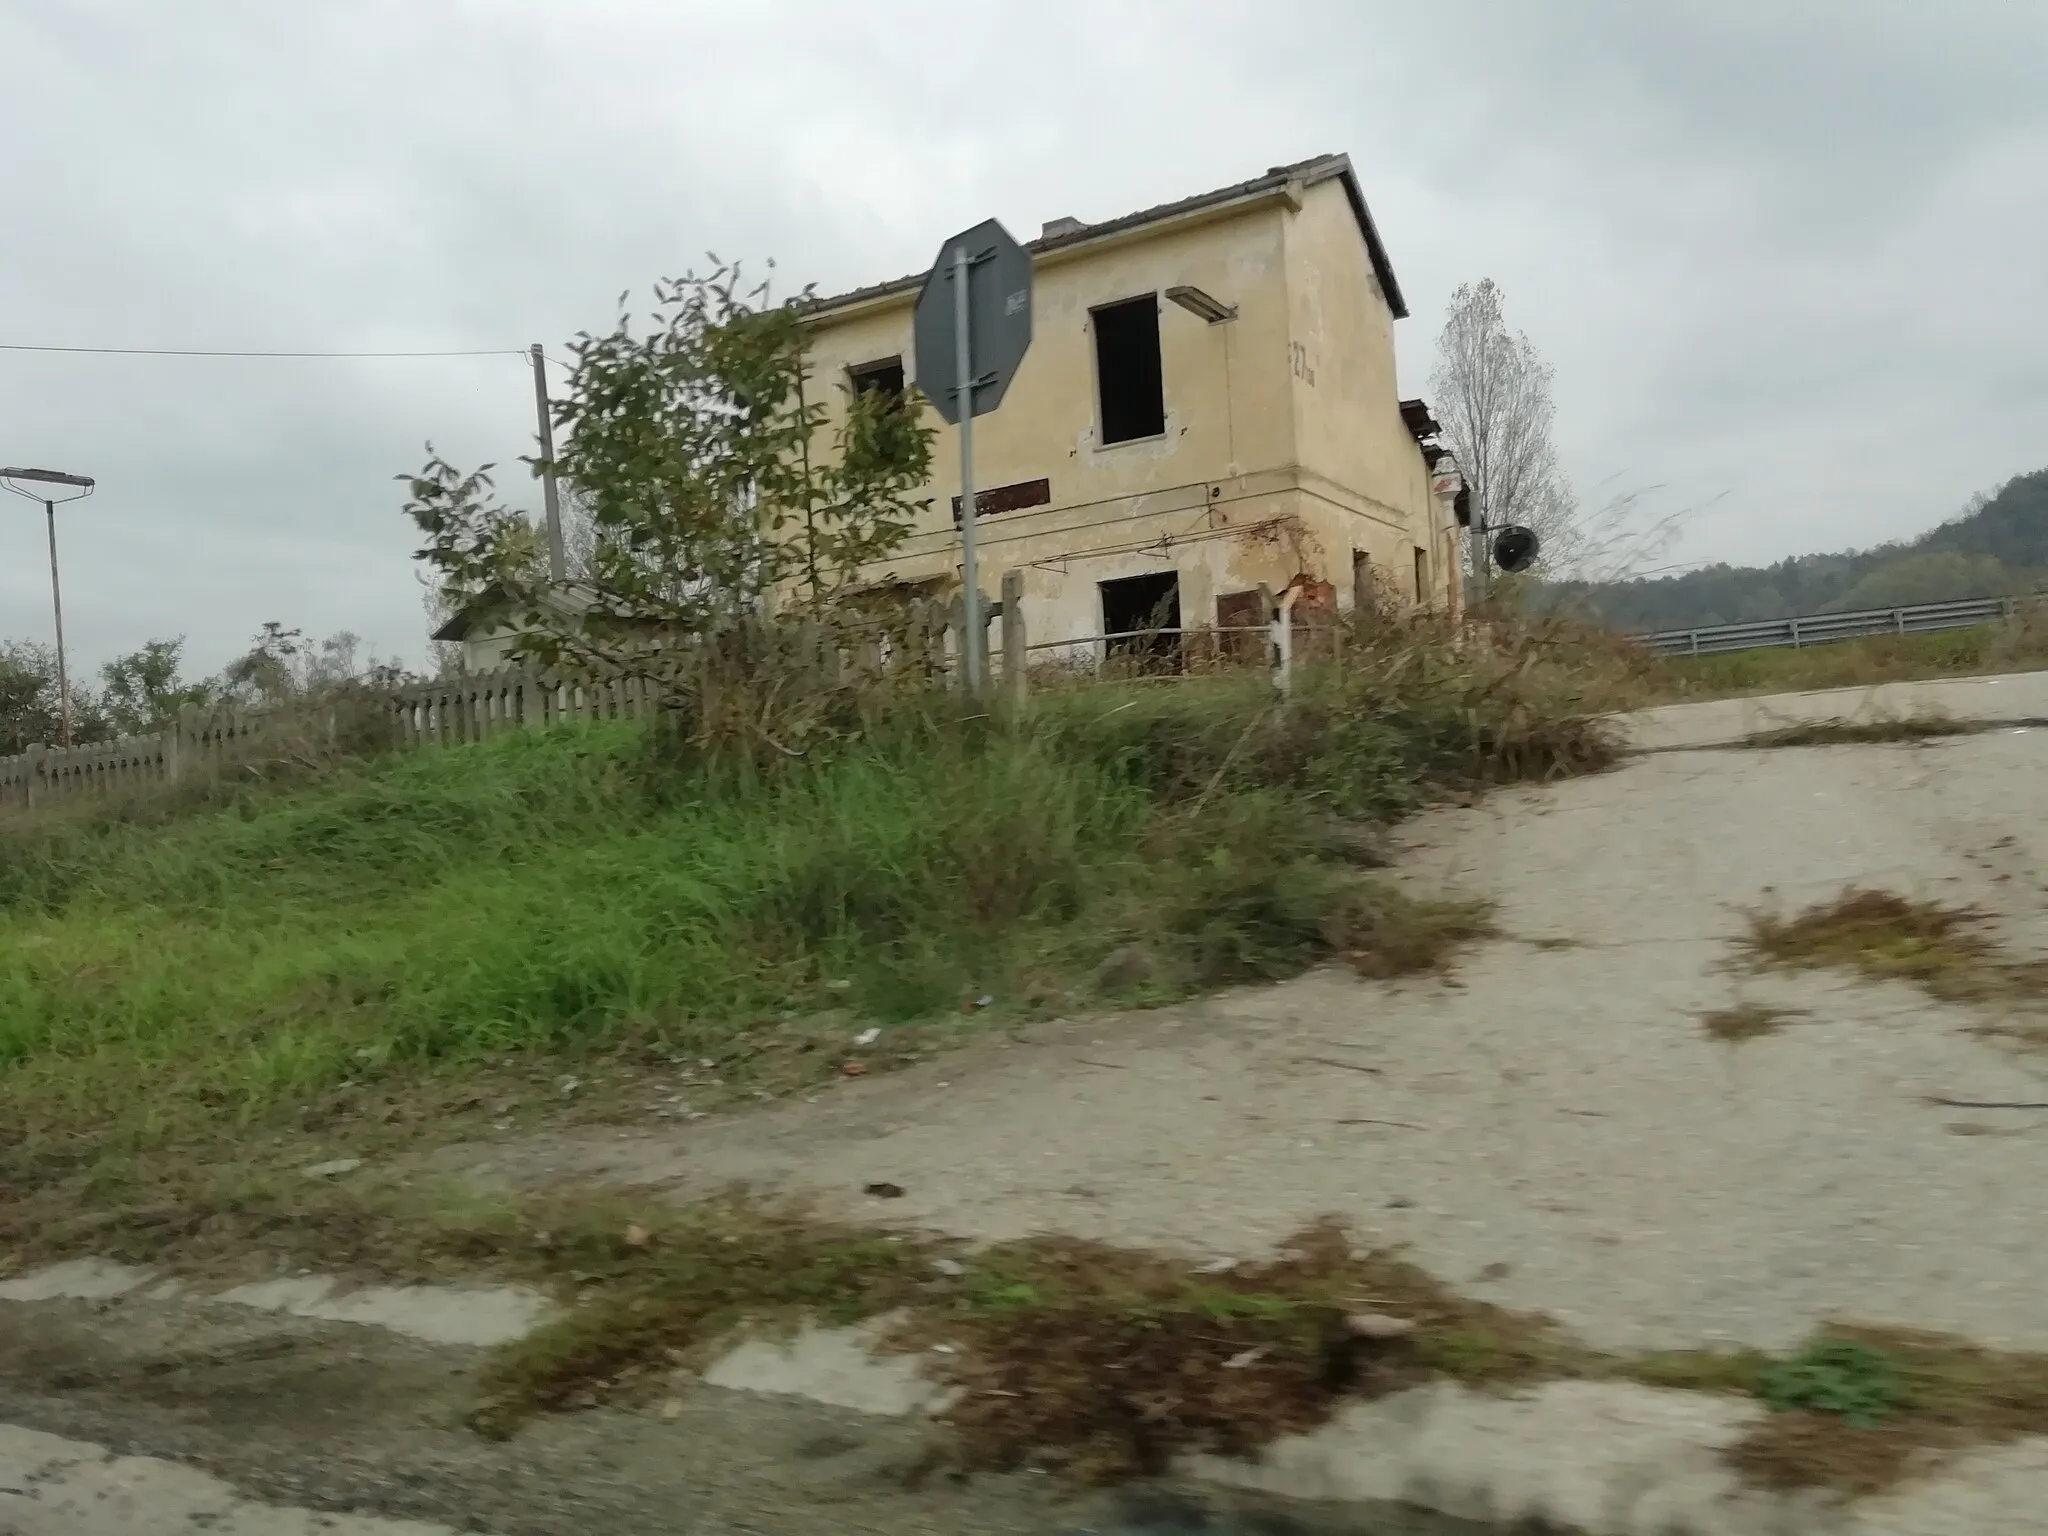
(1553, 1131)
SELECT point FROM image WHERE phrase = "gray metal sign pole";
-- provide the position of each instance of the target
(969, 343)
(970, 571)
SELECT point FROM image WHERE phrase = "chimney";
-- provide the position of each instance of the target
(1064, 225)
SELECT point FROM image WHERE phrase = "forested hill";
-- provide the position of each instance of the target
(2000, 545)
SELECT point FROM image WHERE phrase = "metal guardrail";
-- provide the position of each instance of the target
(1821, 628)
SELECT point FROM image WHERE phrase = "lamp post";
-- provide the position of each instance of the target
(39, 485)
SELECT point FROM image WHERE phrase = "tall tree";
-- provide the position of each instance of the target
(143, 691)
(30, 714)
(700, 447)
(1492, 394)
(282, 666)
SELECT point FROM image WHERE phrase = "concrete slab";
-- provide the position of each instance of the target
(2019, 697)
(474, 1316)
(76, 1280)
(479, 1317)
(51, 1486)
(1610, 1459)
(836, 1366)
(1592, 1458)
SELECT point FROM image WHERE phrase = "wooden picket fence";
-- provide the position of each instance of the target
(921, 637)
(922, 640)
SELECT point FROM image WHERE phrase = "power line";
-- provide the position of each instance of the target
(9, 346)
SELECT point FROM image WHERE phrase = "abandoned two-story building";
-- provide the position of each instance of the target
(1209, 405)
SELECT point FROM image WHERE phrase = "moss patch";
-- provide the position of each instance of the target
(1863, 1409)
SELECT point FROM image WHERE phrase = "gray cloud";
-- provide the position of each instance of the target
(1784, 253)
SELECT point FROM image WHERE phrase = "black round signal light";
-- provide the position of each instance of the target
(1515, 549)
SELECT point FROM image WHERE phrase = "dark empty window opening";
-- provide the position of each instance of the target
(1141, 614)
(881, 378)
(1422, 592)
(1127, 374)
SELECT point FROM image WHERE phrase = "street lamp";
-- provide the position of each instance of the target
(82, 485)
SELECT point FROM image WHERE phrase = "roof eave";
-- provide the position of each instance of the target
(1281, 183)
(893, 295)
(1376, 248)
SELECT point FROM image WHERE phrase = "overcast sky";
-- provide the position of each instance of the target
(1786, 255)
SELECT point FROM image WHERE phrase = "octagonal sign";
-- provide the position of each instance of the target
(999, 319)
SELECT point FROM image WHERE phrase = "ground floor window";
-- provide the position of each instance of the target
(1141, 614)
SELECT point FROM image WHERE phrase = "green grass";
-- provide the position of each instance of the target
(552, 894)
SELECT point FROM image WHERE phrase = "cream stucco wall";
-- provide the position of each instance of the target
(1367, 485)
(1260, 474)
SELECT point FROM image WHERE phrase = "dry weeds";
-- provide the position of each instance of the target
(1106, 1362)
(1843, 732)
(1747, 1021)
(1886, 937)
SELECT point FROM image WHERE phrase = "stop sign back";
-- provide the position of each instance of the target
(999, 319)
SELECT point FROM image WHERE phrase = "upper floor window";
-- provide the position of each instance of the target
(1127, 373)
(884, 377)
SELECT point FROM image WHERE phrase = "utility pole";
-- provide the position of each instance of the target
(1482, 557)
(551, 496)
(57, 604)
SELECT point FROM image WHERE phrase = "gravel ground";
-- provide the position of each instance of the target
(1552, 1130)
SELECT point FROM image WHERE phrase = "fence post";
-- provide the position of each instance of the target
(1269, 611)
(32, 772)
(1285, 629)
(1016, 684)
(956, 638)
(174, 744)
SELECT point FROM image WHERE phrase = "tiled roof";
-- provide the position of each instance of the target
(1309, 172)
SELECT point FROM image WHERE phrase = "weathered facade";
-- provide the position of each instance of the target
(1209, 405)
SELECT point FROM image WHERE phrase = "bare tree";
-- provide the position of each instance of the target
(1493, 396)
(282, 665)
